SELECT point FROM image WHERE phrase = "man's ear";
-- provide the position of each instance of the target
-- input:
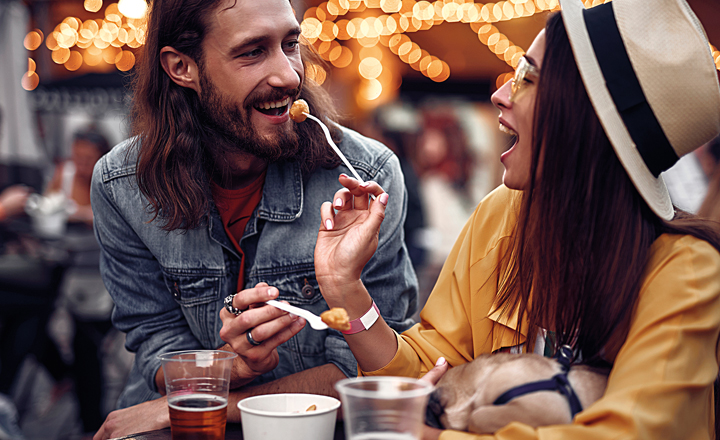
(180, 68)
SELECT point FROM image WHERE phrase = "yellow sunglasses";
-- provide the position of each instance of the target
(523, 73)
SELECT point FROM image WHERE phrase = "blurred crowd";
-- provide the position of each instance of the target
(54, 309)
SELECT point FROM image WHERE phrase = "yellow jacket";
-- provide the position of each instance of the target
(661, 384)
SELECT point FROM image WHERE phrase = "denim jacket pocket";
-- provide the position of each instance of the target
(298, 286)
(196, 294)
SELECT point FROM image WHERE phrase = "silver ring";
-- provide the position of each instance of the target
(229, 307)
(251, 340)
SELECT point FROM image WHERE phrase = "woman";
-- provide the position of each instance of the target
(577, 247)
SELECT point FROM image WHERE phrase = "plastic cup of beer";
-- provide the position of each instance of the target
(197, 384)
(383, 408)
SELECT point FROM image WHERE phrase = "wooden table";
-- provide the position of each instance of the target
(233, 431)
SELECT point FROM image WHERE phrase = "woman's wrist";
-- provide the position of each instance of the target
(351, 296)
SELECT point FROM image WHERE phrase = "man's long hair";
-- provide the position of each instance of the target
(584, 232)
(173, 166)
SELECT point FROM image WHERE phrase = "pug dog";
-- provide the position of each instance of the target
(492, 391)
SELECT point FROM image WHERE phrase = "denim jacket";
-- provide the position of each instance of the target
(168, 287)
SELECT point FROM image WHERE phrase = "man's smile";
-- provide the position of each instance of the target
(273, 108)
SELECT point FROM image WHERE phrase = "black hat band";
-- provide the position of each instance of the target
(624, 87)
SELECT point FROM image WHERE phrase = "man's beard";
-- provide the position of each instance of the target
(230, 130)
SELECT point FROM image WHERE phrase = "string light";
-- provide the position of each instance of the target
(74, 42)
(133, 8)
(93, 5)
(377, 22)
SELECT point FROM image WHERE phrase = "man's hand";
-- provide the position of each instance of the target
(146, 416)
(268, 326)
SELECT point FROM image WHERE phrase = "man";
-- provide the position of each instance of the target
(220, 192)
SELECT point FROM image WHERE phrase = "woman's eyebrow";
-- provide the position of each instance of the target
(531, 60)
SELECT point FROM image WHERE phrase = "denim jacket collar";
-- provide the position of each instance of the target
(282, 201)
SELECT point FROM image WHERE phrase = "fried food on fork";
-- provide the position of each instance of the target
(336, 318)
(298, 110)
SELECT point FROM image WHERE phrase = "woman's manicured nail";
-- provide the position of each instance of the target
(384, 198)
(328, 225)
(338, 202)
(271, 292)
(441, 361)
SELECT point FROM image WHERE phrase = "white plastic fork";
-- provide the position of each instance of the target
(337, 150)
(335, 147)
(313, 319)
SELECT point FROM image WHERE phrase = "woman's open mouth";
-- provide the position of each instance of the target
(505, 129)
(273, 108)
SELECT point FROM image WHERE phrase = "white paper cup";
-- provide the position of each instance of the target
(285, 416)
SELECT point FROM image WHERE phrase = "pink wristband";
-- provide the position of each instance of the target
(364, 322)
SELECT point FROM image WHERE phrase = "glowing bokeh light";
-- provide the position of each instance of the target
(370, 68)
(390, 6)
(93, 5)
(61, 55)
(30, 81)
(344, 59)
(74, 62)
(92, 59)
(315, 73)
(33, 39)
(125, 60)
(371, 89)
(133, 8)
(329, 31)
(109, 54)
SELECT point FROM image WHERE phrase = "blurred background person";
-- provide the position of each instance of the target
(397, 126)
(72, 177)
(709, 156)
(82, 293)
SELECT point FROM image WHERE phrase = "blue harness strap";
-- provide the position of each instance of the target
(559, 383)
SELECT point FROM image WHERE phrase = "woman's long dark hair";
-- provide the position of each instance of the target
(584, 232)
(173, 167)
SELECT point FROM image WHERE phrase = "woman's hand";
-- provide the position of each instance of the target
(348, 236)
(268, 328)
(433, 376)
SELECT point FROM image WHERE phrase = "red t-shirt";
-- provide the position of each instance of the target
(235, 207)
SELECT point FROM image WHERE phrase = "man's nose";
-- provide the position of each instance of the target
(283, 73)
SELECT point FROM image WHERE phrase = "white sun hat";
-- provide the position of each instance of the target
(649, 73)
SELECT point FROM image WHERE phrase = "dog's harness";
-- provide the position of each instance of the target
(559, 383)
